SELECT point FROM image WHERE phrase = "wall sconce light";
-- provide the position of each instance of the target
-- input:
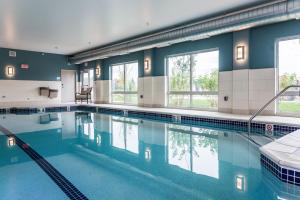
(147, 64)
(98, 140)
(240, 183)
(10, 71)
(148, 154)
(240, 52)
(98, 71)
(11, 142)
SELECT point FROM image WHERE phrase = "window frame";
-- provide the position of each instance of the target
(277, 80)
(125, 123)
(191, 93)
(90, 81)
(124, 92)
(190, 133)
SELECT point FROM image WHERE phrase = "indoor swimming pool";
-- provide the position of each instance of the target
(84, 155)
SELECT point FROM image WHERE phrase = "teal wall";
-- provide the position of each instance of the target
(45, 67)
(262, 42)
(241, 38)
(222, 42)
(136, 56)
(261, 49)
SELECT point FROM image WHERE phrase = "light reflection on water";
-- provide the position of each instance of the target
(199, 161)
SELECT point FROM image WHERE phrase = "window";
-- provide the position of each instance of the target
(288, 52)
(125, 134)
(193, 80)
(87, 77)
(88, 126)
(193, 149)
(125, 83)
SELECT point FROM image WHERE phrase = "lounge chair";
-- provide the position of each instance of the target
(84, 95)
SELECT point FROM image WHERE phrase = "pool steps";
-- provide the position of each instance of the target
(282, 157)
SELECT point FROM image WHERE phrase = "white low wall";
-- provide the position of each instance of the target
(225, 90)
(153, 89)
(247, 90)
(102, 91)
(19, 92)
(261, 89)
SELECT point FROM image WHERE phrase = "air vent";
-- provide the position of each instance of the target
(12, 54)
(266, 13)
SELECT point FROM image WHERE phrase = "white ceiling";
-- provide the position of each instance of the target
(69, 26)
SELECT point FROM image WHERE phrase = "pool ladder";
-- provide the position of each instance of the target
(267, 104)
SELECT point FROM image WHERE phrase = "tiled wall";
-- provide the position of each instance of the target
(240, 91)
(247, 90)
(145, 98)
(159, 91)
(153, 89)
(17, 92)
(261, 89)
(102, 91)
(225, 90)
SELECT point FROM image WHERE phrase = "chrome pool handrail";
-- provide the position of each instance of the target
(267, 104)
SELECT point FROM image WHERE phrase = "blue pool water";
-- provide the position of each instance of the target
(112, 157)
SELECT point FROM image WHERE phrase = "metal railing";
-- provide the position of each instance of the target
(267, 104)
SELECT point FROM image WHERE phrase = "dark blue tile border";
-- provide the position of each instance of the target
(279, 130)
(202, 121)
(84, 108)
(192, 120)
(62, 182)
(111, 111)
(152, 116)
(74, 108)
(56, 109)
(22, 111)
(283, 174)
(2, 111)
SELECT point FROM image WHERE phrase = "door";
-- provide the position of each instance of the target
(68, 81)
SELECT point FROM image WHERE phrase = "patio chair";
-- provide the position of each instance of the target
(84, 95)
